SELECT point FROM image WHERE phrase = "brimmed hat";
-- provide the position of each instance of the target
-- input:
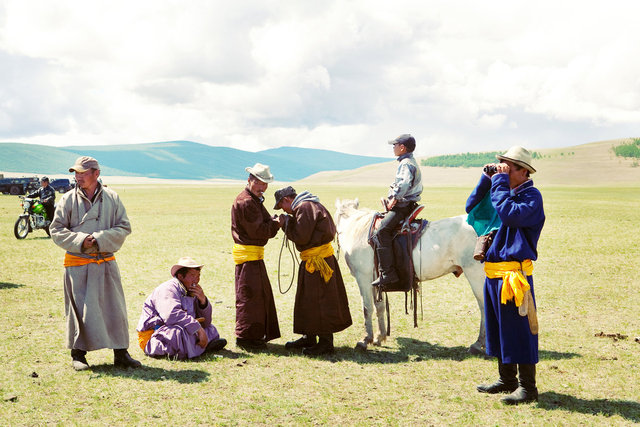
(406, 140)
(282, 193)
(185, 261)
(261, 172)
(520, 156)
(84, 163)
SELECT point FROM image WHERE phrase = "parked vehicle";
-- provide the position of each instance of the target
(61, 185)
(17, 186)
(34, 217)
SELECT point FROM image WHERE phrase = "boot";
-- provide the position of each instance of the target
(388, 274)
(251, 344)
(215, 345)
(303, 342)
(324, 346)
(526, 391)
(507, 383)
(79, 361)
(122, 359)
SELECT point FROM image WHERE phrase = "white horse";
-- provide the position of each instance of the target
(446, 246)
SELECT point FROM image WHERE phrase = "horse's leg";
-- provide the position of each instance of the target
(366, 292)
(382, 326)
(475, 275)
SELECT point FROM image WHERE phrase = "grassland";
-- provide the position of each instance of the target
(586, 283)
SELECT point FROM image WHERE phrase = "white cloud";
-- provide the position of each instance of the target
(460, 76)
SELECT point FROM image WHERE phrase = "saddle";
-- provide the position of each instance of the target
(406, 236)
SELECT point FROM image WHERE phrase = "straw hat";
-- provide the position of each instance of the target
(261, 172)
(518, 155)
(185, 261)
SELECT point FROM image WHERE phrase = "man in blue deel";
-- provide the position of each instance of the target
(511, 322)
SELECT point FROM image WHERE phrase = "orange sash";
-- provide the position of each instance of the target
(71, 260)
(144, 337)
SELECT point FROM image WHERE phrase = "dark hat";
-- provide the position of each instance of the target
(44, 178)
(406, 140)
(282, 193)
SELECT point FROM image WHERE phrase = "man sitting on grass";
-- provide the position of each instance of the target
(176, 317)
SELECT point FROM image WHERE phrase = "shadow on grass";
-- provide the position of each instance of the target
(5, 285)
(149, 373)
(624, 408)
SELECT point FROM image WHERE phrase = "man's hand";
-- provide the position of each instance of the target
(195, 290)
(202, 339)
(391, 203)
(502, 168)
(282, 219)
(89, 241)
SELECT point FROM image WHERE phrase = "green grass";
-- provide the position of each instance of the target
(586, 282)
(630, 149)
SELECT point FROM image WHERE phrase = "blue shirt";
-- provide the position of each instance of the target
(522, 215)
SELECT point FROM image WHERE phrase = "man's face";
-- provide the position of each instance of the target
(191, 278)
(87, 179)
(257, 187)
(285, 204)
(398, 149)
(45, 184)
(517, 175)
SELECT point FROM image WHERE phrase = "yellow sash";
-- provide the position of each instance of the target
(144, 337)
(71, 260)
(514, 284)
(244, 253)
(314, 258)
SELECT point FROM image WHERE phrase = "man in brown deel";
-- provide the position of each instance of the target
(321, 307)
(251, 228)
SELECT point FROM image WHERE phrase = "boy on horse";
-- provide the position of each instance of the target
(401, 200)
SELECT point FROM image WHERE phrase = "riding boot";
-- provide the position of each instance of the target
(507, 383)
(122, 359)
(388, 274)
(324, 346)
(527, 390)
(303, 342)
(78, 360)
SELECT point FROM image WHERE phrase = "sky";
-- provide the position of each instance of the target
(460, 76)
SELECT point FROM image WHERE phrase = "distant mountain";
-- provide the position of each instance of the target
(179, 160)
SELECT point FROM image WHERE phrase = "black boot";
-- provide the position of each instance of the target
(324, 346)
(122, 359)
(507, 383)
(79, 361)
(526, 391)
(388, 274)
(303, 342)
(215, 345)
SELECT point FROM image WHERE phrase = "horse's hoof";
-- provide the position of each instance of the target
(378, 341)
(361, 346)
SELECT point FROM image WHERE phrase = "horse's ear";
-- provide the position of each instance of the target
(357, 202)
(337, 202)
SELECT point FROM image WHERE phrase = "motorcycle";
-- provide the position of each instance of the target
(34, 217)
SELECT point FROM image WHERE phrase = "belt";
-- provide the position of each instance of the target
(244, 253)
(315, 260)
(76, 260)
(514, 284)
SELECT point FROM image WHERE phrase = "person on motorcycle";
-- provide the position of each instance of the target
(47, 196)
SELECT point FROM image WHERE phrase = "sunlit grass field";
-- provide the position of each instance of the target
(586, 279)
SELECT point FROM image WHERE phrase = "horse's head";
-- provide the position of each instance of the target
(344, 208)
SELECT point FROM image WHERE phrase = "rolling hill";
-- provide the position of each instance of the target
(178, 160)
(587, 164)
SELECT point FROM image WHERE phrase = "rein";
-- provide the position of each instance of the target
(294, 259)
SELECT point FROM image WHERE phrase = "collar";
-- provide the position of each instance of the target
(520, 188)
(405, 156)
(253, 196)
